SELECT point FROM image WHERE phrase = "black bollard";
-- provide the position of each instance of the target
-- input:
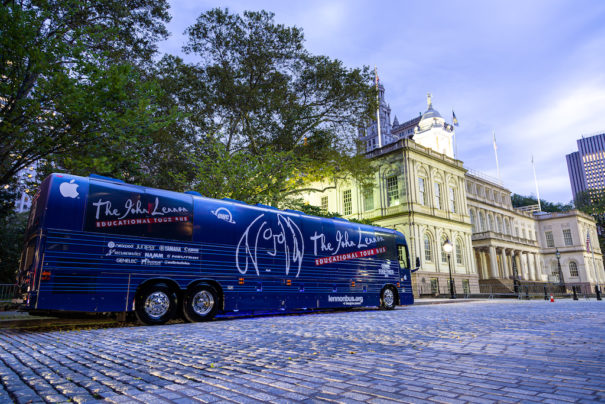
(575, 294)
(527, 293)
(545, 293)
(597, 289)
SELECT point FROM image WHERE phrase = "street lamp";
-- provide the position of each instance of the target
(558, 255)
(447, 248)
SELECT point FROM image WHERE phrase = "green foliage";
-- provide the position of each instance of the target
(286, 115)
(73, 87)
(591, 202)
(520, 200)
(12, 228)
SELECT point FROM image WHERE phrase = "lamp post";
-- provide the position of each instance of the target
(558, 255)
(447, 248)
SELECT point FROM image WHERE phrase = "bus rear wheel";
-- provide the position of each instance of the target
(155, 304)
(387, 298)
(200, 303)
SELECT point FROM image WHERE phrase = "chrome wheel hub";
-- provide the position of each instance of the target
(202, 303)
(157, 304)
(388, 297)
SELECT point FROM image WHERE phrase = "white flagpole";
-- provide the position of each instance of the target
(496, 154)
(536, 181)
(378, 107)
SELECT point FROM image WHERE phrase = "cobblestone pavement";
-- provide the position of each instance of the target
(488, 351)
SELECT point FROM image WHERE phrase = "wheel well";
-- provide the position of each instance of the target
(395, 292)
(158, 281)
(212, 283)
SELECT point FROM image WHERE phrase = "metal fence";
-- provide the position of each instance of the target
(8, 291)
(442, 291)
(520, 291)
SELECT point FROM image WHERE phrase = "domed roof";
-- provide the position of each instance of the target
(431, 113)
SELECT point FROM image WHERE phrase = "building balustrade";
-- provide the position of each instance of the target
(485, 235)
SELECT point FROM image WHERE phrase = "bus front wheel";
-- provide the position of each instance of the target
(387, 298)
(200, 303)
(155, 304)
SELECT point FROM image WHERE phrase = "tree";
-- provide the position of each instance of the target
(12, 228)
(591, 202)
(72, 84)
(286, 116)
(520, 200)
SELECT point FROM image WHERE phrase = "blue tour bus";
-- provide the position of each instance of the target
(97, 244)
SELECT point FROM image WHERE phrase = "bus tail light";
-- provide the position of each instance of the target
(45, 276)
(352, 284)
(288, 282)
(241, 281)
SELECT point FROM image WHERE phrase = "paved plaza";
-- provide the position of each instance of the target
(482, 351)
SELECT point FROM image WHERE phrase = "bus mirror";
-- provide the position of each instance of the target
(417, 265)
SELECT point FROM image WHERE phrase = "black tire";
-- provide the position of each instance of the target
(155, 304)
(200, 303)
(388, 298)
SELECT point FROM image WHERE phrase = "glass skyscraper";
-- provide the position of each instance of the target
(587, 166)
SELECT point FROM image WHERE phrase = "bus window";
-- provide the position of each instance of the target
(403, 256)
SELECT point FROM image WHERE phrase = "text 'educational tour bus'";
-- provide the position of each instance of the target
(97, 244)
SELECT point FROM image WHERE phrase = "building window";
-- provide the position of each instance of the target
(466, 286)
(324, 203)
(473, 224)
(482, 222)
(452, 195)
(428, 252)
(550, 241)
(347, 202)
(421, 191)
(567, 237)
(573, 269)
(437, 195)
(443, 253)
(498, 224)
(435, 286)
(490, 223)
(368, 198)
(459, 251)
(555, 271)
(393, 190)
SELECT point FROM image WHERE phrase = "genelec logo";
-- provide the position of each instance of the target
(69, 189)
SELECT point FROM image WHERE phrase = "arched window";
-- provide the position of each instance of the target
(555, 271)
(482, 222)
(473, 224)
(459, 249)
(498, 224)
(443, 254)
(490, 222)
(428, 251)
(507, 226)
(573, 268)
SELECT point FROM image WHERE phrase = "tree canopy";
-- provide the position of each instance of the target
(520, 200)
(72, 83)
(271, 109)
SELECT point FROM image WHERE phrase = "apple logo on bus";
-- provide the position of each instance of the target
(69, 189)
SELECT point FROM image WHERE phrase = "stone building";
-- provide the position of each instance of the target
(421, 190)
(573, 235)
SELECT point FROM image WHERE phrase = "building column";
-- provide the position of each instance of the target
(538, 269)
(532, 267)
(523, 257)
(493, 263)
(505, 269)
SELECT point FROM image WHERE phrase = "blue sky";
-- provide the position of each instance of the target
(532, 71)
